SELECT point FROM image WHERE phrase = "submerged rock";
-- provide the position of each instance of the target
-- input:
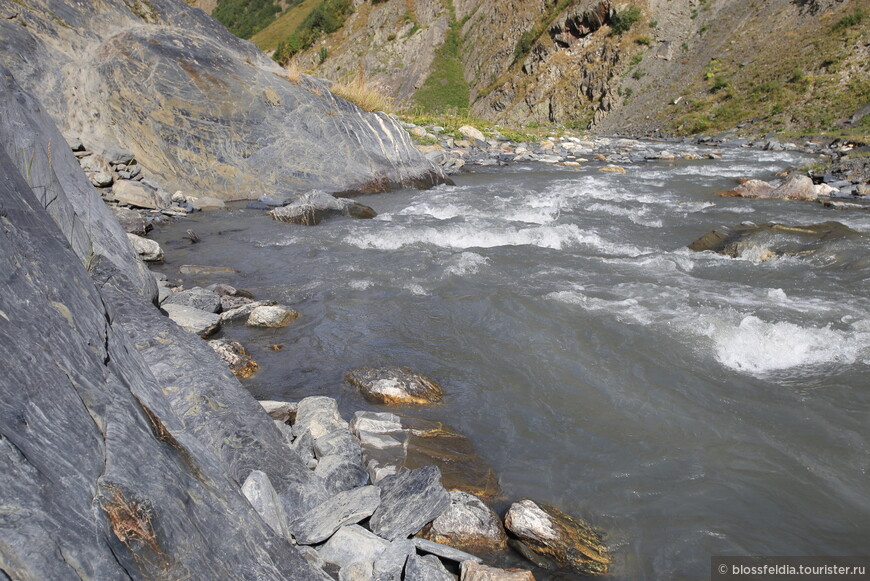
(395, 385)
(569, 541)
(749, 189)
(239, 360)
(271, 316)
(409, 501)
(467, 524)
(309, 209)
(196, 269)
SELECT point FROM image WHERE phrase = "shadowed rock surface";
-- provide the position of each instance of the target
(467, 524)
(201, 110)
(409, 501)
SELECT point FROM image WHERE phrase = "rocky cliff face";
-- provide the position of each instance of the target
(202, 111)
(786, 63)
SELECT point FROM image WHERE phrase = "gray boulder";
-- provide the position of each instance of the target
(472, 571)
(426, 568)
(340, 473)
(338, 443)
(409, 501)
(350, 507)
(259, 491)
(237, 358)
(271, 316)
(443, 551)
(352, 544)
(390, 564)
(310, 208)
(796, 187)
(242, 312)
(319, 416)
(197, 298)
(139, 195)
(467, 524)
(131, 221)
(193, 320)
(394, 385)
(148, 250)
(282, 411)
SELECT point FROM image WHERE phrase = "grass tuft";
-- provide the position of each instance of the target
(363, 93)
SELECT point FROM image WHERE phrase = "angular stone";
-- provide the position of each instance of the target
(797, 187)
(344, 508)
(467, 524)
(472, 571)
(352, 544)
(394, 385)
(338, 443)
(310, 208)
(197, 298)
(409, 501)
(193, 320)
(568, 540)
(271, 316)
(148, 250)
(286, 432)
(341, 474)
(102, 179)
(319, 416)
(426, 568)
(472, 133)
(359, 571)
(304, 446)
(749, 189)
(243, 311)
(283, 411)
(239, 360)
(390, 564)
(443, 551)
(131, 221)
(139, 195)
(262, 496)
(205, 203)
(228, 303)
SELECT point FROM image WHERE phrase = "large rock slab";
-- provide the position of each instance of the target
(193, 320)
(259, 491)
(467, 524)
(409, 501)
(319, 416)
(311, 208)
(197, 298)
(221, 119)
(139, 195)
(443, 551)
(340, 473)
(350, 507)
(394, 385)
(472, 571)
(548, 531)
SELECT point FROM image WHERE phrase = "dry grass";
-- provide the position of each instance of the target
(293, 72)
(363, 93)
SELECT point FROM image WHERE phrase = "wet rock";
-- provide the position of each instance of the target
(271, 316)
(350, 507)
(395, 385)
(390, 564)
(147, 249)
(139, 195)
(225, 290)
(262, 496)
(283, 411)
(797, 187)
(319, 416)
(426, 568)
(409, 501)
(444, 551)
(352, 544)
(749, 189)
(472, 571)
(467, 524)
(205, 203)
(196, 269)
(341, 474)
(244, 311)
(613, 169)
(548, 531)
(197, 298)
(239, 360)
(311, 208)
(193, 320)
(382, 440)
(131, 221)
(228, 303)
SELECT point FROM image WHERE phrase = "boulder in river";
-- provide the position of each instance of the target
(472, 571)
(197, 270)
(147, 249)
(796, 187)
(395, 385)
(749, 189)
(467, 524)
(311, 208)
(271, 316)
(239, 360)
(197, 298)
(193, 320)
(568, 540)
(139, 195)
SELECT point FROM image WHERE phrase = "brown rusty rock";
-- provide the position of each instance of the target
(395, 386)
(236, 357)
(472, 571)
(749, 189)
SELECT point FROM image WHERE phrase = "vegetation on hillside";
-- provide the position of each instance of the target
(246, 17)
(446, 88)
(270, 37)
(529, 37)
(326, 18)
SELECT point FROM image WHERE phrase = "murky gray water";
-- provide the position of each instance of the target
(688, 404)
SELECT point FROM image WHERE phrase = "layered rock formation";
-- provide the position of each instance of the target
(202, 111)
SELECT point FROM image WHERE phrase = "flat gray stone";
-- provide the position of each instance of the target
(344, 508)
(243, 311)
(426, 568)
(205, 203)
(467, 524)
(352, 544)
(262, 496)
(341, 474)
(148, 250)
(444, 551)
(409, 501)
(139, 195)
(472, 571)
(318, 415)
(198, 298)
(193, 320)
(284, 411)
(390, 564)
(271, 316)
(338, 443)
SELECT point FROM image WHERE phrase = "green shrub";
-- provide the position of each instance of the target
(244, 18)
(719, 82)
(644, 40)
(328, 17)
(623, 21)
(851, 20)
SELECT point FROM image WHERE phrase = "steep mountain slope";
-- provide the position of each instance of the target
(788, 64)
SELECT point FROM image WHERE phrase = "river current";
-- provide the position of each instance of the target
(688, 404)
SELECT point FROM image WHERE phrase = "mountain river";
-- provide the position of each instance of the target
(688, 404)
